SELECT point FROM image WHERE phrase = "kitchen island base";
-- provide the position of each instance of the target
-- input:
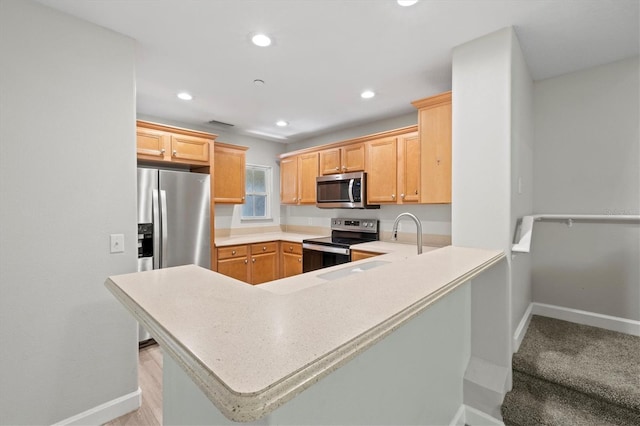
(414, 375)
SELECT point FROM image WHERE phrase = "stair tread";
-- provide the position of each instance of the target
(534, 401)
(594, 361)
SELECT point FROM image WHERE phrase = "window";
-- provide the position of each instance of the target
(257, 203)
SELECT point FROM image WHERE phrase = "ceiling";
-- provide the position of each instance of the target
(326, 52)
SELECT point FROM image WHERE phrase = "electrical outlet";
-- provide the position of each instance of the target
(117, 243)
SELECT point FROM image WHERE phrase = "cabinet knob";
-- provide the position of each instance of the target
(344, 168)
(162, 151)
(242, 198)
(299, 259)
(290, 248)
(416, 192)
(264, 248)
(402, 196)
(393, 196)
(233, 252)
(337, 168)
(253, 260)
(175, 152)
(246, 261)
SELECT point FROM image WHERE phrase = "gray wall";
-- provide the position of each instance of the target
(67, 180)
(481, 206)
(587, 161)
(522, 146)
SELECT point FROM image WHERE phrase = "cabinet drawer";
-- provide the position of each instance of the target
(231, 252)
(269, 247)
(291, 248)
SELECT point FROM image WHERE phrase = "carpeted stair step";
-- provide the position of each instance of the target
(534, 402)
(571, 374)
(598, 362)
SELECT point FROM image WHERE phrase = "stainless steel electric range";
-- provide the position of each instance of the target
(323, 252)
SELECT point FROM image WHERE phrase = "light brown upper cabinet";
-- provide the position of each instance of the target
(409, 168)
(434, 128)
(298, 179)
(229, 173)
(382, 170)
(159, 143)
(346, 159)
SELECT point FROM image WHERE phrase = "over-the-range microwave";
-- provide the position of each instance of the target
(345, 191)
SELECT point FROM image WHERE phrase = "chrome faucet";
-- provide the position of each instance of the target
(418, 229)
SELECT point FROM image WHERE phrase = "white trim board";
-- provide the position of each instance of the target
(106, 412)
(467, 415)
(621, 325)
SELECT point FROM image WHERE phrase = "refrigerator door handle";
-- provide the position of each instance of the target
(163, 224)
(156, 229)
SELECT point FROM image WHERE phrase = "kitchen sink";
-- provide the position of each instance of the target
(350, 270)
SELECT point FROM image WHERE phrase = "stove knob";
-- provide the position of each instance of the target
(338, 222)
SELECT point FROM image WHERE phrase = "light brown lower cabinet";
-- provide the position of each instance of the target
(264, 262)
(359, 255)
(233, 261)
(291, 259)
(251, 263)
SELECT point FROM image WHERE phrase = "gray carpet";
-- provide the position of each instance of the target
(566, 373)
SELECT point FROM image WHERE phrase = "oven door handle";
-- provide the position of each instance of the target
(351, 181)
(327, 249)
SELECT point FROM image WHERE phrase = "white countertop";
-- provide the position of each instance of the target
(251, 349)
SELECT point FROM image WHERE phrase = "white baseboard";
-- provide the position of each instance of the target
(621, 325)
(522, 329)
(458, 419)
(106, 412)
(467, 415)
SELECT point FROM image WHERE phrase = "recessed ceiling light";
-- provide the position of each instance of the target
(282, 123)
(367, 94)
(258, 82)
(261, 40)
(185, 96)
(407, 2)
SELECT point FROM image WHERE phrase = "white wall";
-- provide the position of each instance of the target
(261, 152)
(435, 219)
(492, 143)
(67, 181)
(587, 161)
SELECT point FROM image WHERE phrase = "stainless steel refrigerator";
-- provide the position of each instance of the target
(173, 220)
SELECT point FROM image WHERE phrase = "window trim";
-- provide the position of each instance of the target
(268, 193)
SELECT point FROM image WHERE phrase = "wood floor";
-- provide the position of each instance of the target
(150, 381)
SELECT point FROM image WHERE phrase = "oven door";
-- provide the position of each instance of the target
(315, 256)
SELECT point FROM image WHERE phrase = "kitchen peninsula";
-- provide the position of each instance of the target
(366, 345)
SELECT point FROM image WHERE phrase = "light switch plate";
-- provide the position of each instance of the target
(117, 243)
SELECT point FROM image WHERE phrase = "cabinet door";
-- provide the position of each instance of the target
(409, 168)
(151, 144)
(264, 268)
(381, 170)
(289, 180)
(435, 138)
(307, 173)
(189, 149)
(291, 260)
(359, 255)
(237, 268)
(291, 264)
(330, 161)
(353, 158)
(229, 175)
